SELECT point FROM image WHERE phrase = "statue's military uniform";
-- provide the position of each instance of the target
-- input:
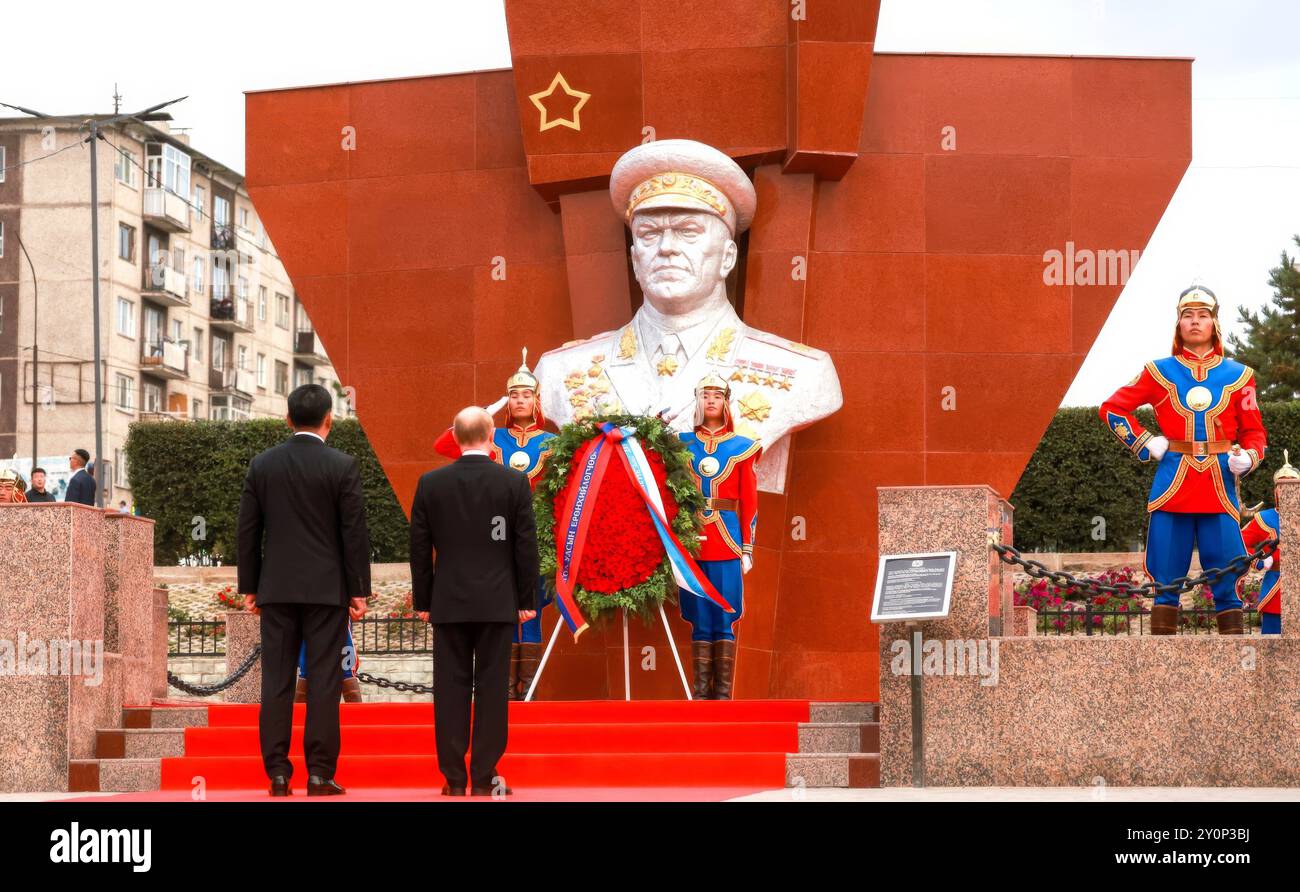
(651, 364)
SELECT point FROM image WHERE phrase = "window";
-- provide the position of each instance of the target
(125, 392)
(219, 280)
(301, 375)
(282, 310)
(230, 408)
(218, 353)
(261, 303)
(199, 201)
(2, 164)
(124, 168)
(178, 331)
(125, 317)
(197, 345)
(2, 238)
(243, 288)
(198, 275)
(126, 242)
(281, 378)
(242, 361)
(152, 398)
(220, 214)
(198, 409)
(168, 167)
(261, 371)
(243, 218)
(178, 259)
(119, 468)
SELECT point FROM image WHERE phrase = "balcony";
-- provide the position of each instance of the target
(165, 359)
(223, 236)
(165, 285)
(229, 312)
(307, 348)
(232, 380)
(166, 210)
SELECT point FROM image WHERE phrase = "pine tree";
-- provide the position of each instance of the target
(1271, 345)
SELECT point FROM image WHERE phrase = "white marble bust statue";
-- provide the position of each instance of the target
(685, 202)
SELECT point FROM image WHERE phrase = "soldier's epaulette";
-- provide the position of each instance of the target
(775, 340)
(580, 342)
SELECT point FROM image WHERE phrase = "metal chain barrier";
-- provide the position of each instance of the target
(1036, 570)
(404, 686)
(207, 690)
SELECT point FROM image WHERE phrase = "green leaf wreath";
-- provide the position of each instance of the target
(644, 598)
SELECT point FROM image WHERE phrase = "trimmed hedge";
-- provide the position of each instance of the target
(180, 471)
(1080, 471)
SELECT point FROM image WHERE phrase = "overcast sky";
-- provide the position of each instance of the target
(1236, 210)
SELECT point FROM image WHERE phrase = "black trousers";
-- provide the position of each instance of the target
(284, 628)
(471, 660)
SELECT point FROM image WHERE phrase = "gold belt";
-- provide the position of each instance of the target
(720, 504)
(1200, 447)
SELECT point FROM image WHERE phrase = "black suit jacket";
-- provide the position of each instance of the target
(302, 526)
(478, 516)
(81, 488)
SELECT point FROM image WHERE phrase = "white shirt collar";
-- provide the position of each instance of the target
(473, 452)
(309, 434)
(651, 327)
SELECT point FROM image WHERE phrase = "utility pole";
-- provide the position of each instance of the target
(95, 125)
(36, 356)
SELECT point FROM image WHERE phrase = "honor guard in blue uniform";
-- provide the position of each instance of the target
(723, 464)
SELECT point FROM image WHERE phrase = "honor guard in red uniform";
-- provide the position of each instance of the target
(1210, 433)
(723, 464)
(1263, 526)
(522, 445)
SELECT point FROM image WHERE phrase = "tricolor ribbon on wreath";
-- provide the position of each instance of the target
(579, 508)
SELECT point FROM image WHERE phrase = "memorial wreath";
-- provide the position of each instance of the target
(618, 518)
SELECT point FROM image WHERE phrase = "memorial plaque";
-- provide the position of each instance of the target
(913, 586)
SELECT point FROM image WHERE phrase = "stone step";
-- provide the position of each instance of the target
(839, 737)
(139, 743)
(165, 717)
(844, 712)
(832, 770)
(114, 775)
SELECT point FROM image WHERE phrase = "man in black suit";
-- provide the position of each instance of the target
(81, 486)
(478, 516)
(37, 493)
(313, 572)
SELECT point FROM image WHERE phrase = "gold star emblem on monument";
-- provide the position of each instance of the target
(755, 407)
(667, 366)
(547, 121)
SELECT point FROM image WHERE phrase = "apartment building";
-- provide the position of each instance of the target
(198, 319)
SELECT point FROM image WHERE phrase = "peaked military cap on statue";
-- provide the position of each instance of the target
(682, 173)
(1198, 297)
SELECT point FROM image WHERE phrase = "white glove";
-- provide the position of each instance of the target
(496, 407)
(746, 563)
(1157, 446)
(1267, 563)
(1239, 463)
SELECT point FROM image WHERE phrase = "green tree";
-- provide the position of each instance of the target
(1271, 345)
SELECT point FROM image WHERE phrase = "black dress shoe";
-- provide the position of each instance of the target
(491, 791)
(449, 790)
(280, 786)
(319, 786)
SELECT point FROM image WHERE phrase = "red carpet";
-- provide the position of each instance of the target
(739, 745)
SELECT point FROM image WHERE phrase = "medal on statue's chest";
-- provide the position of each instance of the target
(519, 460)
(1198, 398)
(708, 466)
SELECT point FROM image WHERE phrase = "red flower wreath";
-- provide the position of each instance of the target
(623, 549)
